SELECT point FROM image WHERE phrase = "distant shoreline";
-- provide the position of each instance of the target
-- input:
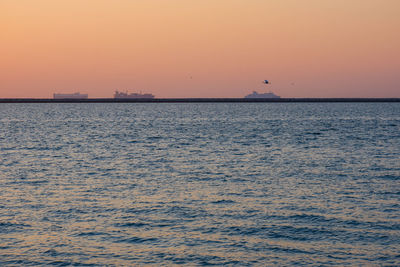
(195, 100)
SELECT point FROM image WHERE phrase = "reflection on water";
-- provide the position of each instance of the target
(200, 184)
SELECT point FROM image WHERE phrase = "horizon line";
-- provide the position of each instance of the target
(201, 99)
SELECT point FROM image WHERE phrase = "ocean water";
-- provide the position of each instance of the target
(246, 184)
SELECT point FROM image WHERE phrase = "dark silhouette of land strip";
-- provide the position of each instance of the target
(195, 100)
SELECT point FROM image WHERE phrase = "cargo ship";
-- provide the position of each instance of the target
(70, 96)
(125, 95)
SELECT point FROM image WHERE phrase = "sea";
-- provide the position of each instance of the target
(198, 184)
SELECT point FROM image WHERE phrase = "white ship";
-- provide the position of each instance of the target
(262, 95)
(70, 96)
(255, 94)
(125, 95)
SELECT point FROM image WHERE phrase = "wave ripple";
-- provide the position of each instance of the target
(95, 184)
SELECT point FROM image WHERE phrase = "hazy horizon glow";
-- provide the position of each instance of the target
(209, 48)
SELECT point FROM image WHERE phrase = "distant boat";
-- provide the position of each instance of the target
(262, 95)
(70, 96)
(122, 95)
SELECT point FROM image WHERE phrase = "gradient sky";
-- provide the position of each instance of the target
(200, 48)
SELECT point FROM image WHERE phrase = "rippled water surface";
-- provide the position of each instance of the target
(200, 184)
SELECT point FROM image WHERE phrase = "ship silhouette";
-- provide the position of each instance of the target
(125, 95)
(70, 96)
(255, 94)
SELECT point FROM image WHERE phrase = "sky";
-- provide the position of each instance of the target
(200, 48)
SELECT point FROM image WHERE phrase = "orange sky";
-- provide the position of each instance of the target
(200, 48)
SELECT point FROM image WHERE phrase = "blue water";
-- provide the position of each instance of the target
(200, 184)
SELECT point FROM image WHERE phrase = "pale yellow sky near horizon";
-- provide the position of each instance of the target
(208, 48)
